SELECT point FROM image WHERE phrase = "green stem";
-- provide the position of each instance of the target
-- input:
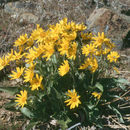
(92, 79)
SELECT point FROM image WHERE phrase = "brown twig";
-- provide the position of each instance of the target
(122, 126)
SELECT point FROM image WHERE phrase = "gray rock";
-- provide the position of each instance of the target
(105, 20)
(24, 11)
(120, 5)
(29, 17)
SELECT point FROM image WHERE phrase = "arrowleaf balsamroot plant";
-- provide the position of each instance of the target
(64, 71)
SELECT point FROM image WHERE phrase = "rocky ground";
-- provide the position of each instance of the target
(20, 16)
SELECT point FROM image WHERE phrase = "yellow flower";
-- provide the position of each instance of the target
(64, 47)
(72, 51)
(48, 51)
(38, 34)
(113, 56)
(88, 49)
(86, 36)
(97, 95)
(3, 62)
(17, 74)
(74, 99)
(29, 73)
(38, 50)
(17, 56)
(21, 40)
(30, 42)
(36, 83)
(80, 27)
(64, 68)
(21, 99)
(117, 71)
(30, 56)
(100, 39)
(70, 36)
(91, 64)
(85, 64)
(106, 51)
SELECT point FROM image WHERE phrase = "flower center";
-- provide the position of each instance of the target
(74, 99)
(23, 99)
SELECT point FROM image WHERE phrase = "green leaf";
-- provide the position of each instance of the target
(117, 113)
(58, 95)
(99, 86)
(64, 124)
(31, 125)
(122, 86)
(9, 105)
(116, 96)
(90, 106)
(123, 81)
(10, 90)
(26, 112)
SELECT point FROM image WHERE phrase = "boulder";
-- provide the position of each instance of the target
(23, 11)
(114, 26)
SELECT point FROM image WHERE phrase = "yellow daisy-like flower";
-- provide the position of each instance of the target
(64, 47)
(64, 68)
(17, 74)
(72, 51)
(29, 73)
(17, 56)
(93, 65)
(48, 51)
(97, 95)
(36, 83)
(3, 62)
(88, 49)
(86, 36)
(21, 99)
(21, 40)
(85, 64)
(30, 56)
(74, 99)
(100, 39)
(113, 56)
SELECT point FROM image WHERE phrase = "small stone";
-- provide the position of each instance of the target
(29, 17)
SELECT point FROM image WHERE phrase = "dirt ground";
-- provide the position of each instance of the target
(9, 30)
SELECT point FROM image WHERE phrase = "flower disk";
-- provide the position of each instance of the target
(21, 99)
(74, 99)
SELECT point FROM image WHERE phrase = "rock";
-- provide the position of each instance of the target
(29, 17)
(24, 11)
(105, 20)
(120, 6)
